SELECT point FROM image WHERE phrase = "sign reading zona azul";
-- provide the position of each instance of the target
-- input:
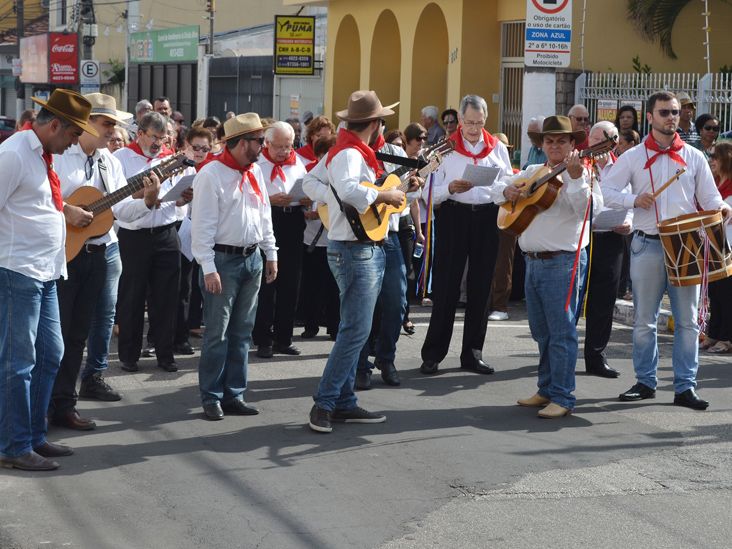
(294, 45)
(548, 40)
(165, 46)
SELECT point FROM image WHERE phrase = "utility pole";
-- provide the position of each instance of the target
(211, 9)
(88, 26)
(19, 86)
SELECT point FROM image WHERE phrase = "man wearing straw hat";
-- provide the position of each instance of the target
(358, 266)
(231, 219)
(32, 258)
(89, 293)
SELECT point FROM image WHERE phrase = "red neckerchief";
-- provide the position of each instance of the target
(53, 178)
(277, 170)
(488, 140)
(27, 125)
(311, 165)
(725, 188)
(346, 139)
(676, 145)
(164, 151)
(307, 152)
(230, 162)
(376, 146)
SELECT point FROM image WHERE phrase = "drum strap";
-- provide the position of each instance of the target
(653, 186)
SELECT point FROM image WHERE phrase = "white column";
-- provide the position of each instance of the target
(540, 95)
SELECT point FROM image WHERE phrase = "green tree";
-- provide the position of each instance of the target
(655, 19)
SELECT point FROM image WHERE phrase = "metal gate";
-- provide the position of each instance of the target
(177, 81)
(512, 80)
(240, 84)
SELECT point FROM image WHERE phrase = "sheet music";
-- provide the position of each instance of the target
(175, 193)
(481, 176)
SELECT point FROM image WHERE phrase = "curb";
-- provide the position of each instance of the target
(624, 314)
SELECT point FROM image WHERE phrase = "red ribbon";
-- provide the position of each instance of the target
(277, 170)
(346, 139)
(489, 141)
(676, 145)
(230, 162)
(58, 200)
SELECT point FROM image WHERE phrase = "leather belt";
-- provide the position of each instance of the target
(94, 248)
(646, 235)
(380, 243)
(546, 255)
(235, 250)
(471, 207)
(287, 209)
(162, 228)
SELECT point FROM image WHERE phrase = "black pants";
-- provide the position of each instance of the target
(278, 301)
(406, 240)
(463, 234)
(184, 300)
(319, 292)
(77, 301)
(720, 304)
(195, 306)
(605, 269)
(148, 259)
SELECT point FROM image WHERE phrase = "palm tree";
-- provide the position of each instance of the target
(655, 20)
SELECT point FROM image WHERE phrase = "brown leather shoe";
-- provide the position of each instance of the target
(554, 411)
(72, 420)
(28, 462)
(51, 450)
(536, 400)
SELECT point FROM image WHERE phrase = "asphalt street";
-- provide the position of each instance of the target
(457, 464)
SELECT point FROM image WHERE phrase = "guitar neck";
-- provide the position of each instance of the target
(134, 184)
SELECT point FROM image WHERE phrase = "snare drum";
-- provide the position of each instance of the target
(683, 238)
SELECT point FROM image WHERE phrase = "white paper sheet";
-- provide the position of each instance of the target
(480, 176)
(175, 193)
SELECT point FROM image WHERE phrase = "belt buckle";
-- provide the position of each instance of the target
(288, 209)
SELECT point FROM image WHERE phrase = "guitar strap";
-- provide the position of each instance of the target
(103, 174)
(354, 220)
(400, 160)
(312, 245)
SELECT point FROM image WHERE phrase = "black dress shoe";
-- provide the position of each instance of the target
(309, 334)
(475, 363)
(183, 349)
(130, 367)
(389, 373)
(690, 399)
(601, 370)
(265, 351)
(72, 420)
(286, 350)
(28, 462)
(213, 411)
(239, 408)
(168, 366)
(429, 367)
(363, 380)
(637, 392)
(51, 450)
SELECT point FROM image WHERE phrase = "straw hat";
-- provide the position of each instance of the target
(554, 125)
(242, 124)
(684, 99)
(70, 106)
(503, 138)
(106, 105)
(364, 105)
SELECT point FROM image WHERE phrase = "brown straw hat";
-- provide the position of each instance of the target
(364, 105)
(558, 125)
(70, 106)
(684, 99)
(242, 124)
(106, 105)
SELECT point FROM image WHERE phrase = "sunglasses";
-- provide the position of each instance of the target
(665, 113)
(259, 140)
(711, 128)
(449, 121)
(581, 118)
(201, 148)
(421, 138)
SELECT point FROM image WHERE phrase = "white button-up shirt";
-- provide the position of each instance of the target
(559, 227)
(72, 170)
(602, 223)
(32, 230)
(222, 213)
(292, 173)
(132, 164)
(453, 167)
(697, 182)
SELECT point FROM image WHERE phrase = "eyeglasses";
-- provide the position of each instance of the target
(421, 138)
(116, 140)
(156, 138)
(581, 118)
(476, 124)
(259, 140)
(449, 121)
(201, 148)
(665, 113)
(279, 147)
(711, 128)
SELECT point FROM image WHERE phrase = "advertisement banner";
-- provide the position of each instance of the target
(165, 46)
(34, 59)
(607, 109)
(294, 45)
(63, 58)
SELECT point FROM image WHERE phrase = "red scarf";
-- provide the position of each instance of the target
(489, 141)
(672, 151)
(346, 139)
(27, 125)
(311, 165)
(230, 162)
(376, 147)
(277, 170)
(307, 152)
(725, 188)
(164, 151)
(55, 182)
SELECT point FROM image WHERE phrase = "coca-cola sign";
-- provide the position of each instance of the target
(63, 58)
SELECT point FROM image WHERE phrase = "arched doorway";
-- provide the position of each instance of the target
(386, 61)
(429, 61)
(346, 63)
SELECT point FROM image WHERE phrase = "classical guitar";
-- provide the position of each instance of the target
(373, 224)
(96, 202)
(539, 192)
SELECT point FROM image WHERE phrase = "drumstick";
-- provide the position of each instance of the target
(665, 185)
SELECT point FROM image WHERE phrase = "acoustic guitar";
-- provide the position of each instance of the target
(373, 224)
(93, 200)
(539, 192)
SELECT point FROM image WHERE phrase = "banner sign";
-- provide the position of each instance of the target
(607, 109)
(294, 45)
(63, 58)
(34, 59)
(165, 46)
(548, 41)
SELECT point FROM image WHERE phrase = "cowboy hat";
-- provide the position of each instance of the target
(242, 124)
(684, 99)
(503, 138)
(70, 106)
(364, 105)
(554, 125)
(106, 105)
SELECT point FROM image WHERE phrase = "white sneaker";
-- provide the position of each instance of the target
(498, 315)
(426, 302)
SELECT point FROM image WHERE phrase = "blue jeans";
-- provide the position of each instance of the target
(100, 334)
(391, 304)
(546, 286)
(31, 348)
(229, 318)
(358, 270)
(648, 272)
